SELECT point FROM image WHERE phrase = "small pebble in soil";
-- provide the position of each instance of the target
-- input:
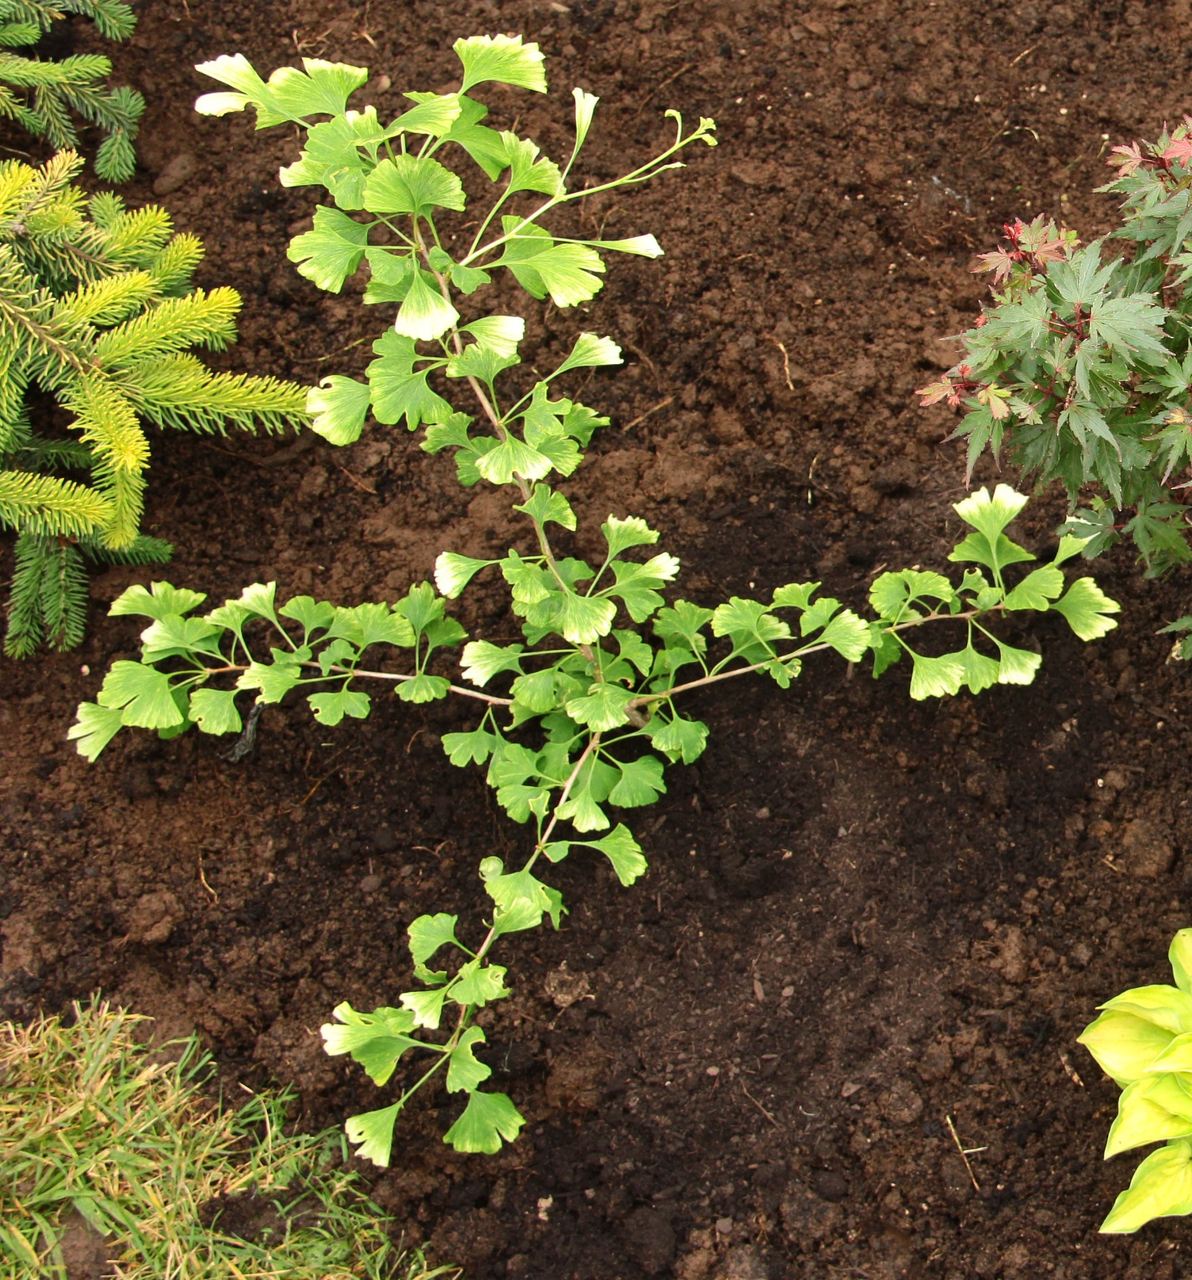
(649, 1239)
(829, 1184)
(176, 173)
(1144, 851)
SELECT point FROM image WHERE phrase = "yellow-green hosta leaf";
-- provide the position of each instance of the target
(1161, 1188)
(1180, 955)
(1165, 1006)
(1176, 1057)
(1124, 1044)
(1142, 1117)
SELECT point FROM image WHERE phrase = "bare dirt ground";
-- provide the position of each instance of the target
(867, 921)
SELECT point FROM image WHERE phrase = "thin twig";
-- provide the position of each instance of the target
(965, 1152)
(641, 417)
(758, 1105)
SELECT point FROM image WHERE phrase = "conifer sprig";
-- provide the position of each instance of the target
(41, 94)
(96, 309)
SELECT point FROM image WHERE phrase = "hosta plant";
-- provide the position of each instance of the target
(1079, 369)
(98, 314)
(580, 701)
(1143, 1041)
(42, 93)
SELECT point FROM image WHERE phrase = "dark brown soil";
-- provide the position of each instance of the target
(872, 929)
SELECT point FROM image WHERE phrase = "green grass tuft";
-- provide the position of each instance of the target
(106, 1140)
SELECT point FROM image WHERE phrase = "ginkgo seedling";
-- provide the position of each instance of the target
(578, 720)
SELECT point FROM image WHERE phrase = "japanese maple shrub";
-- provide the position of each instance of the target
(1079, 369)
(581, 714)
(97, 314)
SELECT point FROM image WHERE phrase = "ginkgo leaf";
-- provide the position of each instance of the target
(487, 1121)
(623, 852)
(94, 727)
(465, 1072)
(425, 314)
(331, 251)
(215, 711)
(142, 694)
(157, 601)
(339, 407)
(1087, 609)
(414, 185)
(372, 1133)
(504, 59)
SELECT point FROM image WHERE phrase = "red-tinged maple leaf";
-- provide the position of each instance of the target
(1179, 150)
(994, 399)
(999, 262)
(934, 392)
(1127, 159)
